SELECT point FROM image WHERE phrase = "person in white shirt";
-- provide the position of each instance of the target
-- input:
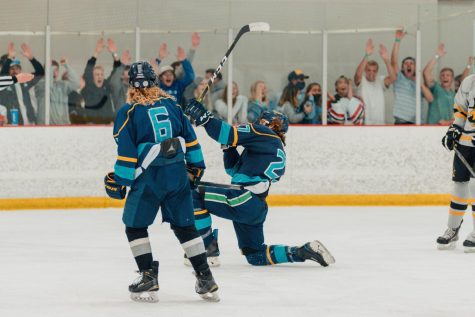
(371, 86)
(239, 108)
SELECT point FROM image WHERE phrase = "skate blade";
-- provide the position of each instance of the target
(211, 296)
(469, 249)
(317, 246)
(213, 261)
(145, 297)
(448, 246)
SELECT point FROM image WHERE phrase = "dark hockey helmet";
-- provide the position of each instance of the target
(270, 116)
(142, 75)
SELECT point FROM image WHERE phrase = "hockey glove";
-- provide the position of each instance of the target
(452, 137)
(197, 111)
(194, 174)
(113, 189)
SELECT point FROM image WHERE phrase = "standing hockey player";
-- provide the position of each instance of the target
(261, 163)
(460, 135)
(156, 145)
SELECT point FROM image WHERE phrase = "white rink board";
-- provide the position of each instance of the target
(72, 161)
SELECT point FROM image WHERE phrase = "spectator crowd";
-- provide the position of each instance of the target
(94, 97)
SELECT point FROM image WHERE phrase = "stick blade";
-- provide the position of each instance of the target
(259, 27)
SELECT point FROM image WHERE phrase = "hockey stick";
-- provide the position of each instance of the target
(464, 161)
(251, 27)
(227, 186)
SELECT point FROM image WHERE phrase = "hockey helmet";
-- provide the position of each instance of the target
(270, 116)
(142, 75)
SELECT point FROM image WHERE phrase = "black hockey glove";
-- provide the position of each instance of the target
(113, 189)
(452, 137)
(198, 112)
(194, 174)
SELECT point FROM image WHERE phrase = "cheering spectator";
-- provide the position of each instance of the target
(97, 90)
(371, 86)
(441, 107)
(59, 91)
(119, 81)
(405, 85)
(177, 65)
(313, 97)
(18, 95)
(345, 107)
(215, 91)
(239, 106)
(207, 100)
(168, 81)
(258, 102)
(289, 105)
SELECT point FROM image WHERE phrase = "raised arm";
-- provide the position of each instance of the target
(195, 42)
(395, 52)
(39, 69)
(73, 81)
(467, 69)
(428, 76)
(427, 93)
(92, 61)
(360, 69)
(391, 77)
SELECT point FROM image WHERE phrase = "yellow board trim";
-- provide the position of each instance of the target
(272, 200)
(268, 255)
(190, 144)
(127, 159)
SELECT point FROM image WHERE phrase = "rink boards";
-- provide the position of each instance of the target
(64, 167)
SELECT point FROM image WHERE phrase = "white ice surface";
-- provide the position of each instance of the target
(78, 263)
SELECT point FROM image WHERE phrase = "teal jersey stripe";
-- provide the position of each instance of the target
(242, 178)
(230, 171)
(203, 223)
(280, 254)
(194, 156)
(124, 172)
(224, 133)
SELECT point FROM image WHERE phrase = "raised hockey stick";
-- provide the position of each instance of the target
(464, 161)
(251, 27)
(228, 186)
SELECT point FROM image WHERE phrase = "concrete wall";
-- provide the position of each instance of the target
(72, 161)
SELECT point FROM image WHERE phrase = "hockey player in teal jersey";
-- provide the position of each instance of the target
(156, 145)
(261, 163)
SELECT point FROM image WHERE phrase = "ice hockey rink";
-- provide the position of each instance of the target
(78, 263)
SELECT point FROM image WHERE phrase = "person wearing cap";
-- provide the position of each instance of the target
(166, 74)
(97, 90)
(404, 110)
(18, 95)
(160, 160)
(6, 81)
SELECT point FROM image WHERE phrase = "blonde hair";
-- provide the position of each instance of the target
(145, 96)
(254, 91)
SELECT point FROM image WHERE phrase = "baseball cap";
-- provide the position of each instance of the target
(297, 74)
(165, 68)
(15, 62)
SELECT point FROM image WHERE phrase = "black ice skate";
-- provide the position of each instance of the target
(317, 252)
(145, 287)
(448, 241)
(469, 243)
(212, 252)
(206, 287)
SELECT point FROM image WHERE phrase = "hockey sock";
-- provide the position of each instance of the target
(458, 204)
(193, 246)
(203, 225)
(272, 254)
(140, 246)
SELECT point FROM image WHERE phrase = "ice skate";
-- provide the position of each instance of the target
(317, 252)
(469, 243)
(145, 288)
(448, 241)
(212, 252)
(206, 287)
